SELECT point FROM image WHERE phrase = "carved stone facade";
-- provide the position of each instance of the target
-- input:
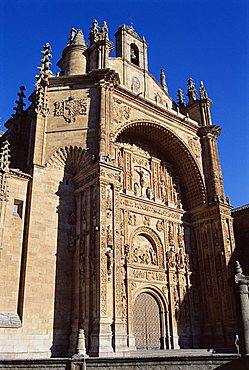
(122, 230)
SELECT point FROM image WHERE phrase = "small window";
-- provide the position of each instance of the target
(17, 207)
(134, 54)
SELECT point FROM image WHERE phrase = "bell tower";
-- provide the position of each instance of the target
(130, 47)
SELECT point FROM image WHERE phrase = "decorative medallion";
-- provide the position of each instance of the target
(135, 83)
(70, 109)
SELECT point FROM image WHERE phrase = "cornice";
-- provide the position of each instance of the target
(145, 103)
(240, 209)
(93, 77)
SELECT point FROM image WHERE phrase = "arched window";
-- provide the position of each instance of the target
(134, 54)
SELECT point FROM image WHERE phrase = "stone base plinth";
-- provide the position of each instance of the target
(160, 360)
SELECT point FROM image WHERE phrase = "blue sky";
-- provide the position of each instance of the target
(204, 39)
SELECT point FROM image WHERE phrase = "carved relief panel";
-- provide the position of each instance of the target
(147, 176)
(143, 251)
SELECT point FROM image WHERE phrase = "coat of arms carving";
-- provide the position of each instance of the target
(70, 109)
(121, 112)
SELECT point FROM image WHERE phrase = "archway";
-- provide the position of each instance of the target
(147, 322)
(157, 138)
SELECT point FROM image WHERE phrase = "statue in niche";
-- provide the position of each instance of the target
(136, 189)
(109, 236)
(72, 240)
(127, 252)
(187, 262)
(204, 232)
(180, 236)
(171, 234)
(171, 258)
(143, 181)
(141, 177)
(108, 197)
(163, 192)
(149, 193)
(180, 259)
(109, 260)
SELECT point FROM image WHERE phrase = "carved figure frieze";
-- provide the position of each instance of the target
(143, 251)
(178, 259)
(147, 176)
(70, 109)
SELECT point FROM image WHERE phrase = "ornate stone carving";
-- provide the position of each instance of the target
(148, 275)
(72, 237)
(109, 260)
(40, 96)
(143, 251)
(70, 108)
(146, 220)
(171, 258)
(147, 176)
(4, 169)
(160, 225)
(132, 219)
(121, 112)
(74, 158)
(146, 247)
(195, 146)
(180, 259)
(151, 209)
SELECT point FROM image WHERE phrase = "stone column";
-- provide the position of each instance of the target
(242, 282)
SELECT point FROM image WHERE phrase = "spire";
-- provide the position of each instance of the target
(203, 92)
(5, 156)
(163, 80)
(76, 37)
(20, 103)
(45, 72)
(191, 91)
(41, 105)
(238, 269)
(104, 31)
(94, 32)
(180, 97)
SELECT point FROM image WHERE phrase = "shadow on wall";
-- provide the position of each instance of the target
(239, 364)
(66, 238)
(64, 332)
(199, 318)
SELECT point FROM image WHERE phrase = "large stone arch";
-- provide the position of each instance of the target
(163, 141)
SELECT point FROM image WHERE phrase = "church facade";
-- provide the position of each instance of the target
(114, 224)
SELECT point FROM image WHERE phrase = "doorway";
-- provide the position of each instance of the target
(147, 328)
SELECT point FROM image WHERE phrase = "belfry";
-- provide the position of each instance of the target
(115, 231)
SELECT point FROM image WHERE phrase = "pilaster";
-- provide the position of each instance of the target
(211, 163)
